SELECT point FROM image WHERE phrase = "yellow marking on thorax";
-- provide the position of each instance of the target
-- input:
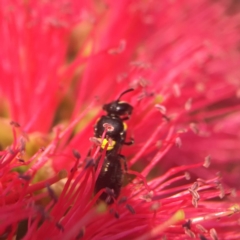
(125, 126)
(110, 146)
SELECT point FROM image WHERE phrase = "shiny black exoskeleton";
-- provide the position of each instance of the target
(117, 113)
(117, 108)
(110, 177)
(118, 134)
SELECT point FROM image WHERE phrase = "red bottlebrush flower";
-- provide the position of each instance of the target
(181, 58)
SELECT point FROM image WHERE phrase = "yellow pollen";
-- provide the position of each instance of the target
(235, 208)
(158, 99)
(110, 146)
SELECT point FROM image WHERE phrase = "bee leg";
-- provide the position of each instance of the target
(124, 162)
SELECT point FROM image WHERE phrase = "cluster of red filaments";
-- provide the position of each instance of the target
(145, 208)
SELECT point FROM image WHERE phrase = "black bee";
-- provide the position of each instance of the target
(111, 175)
(117, 113)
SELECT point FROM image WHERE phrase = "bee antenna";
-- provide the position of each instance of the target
(126, 91)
